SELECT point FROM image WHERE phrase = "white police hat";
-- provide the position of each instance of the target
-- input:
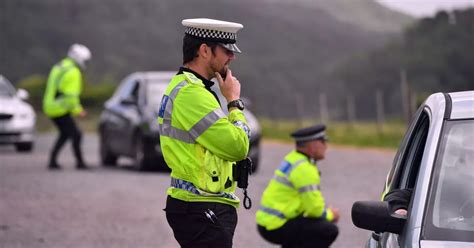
(222, 32)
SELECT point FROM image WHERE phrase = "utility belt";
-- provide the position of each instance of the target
(188, 186)
(241, 171)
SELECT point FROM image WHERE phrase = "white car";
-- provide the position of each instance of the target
(17, 118)
(436, 162)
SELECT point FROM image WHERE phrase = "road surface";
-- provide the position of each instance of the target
(122, 207)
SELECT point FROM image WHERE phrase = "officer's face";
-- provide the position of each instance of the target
(318, 149)
(221, 59)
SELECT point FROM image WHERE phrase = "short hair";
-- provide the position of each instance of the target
(301, 143)
(191, 46)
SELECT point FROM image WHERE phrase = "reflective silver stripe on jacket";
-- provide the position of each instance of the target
(188, 186)
(296, 164)
(312, 187)
(166, 129)
(273, 212)
(283, 180)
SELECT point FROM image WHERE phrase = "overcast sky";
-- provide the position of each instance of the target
(423, 8)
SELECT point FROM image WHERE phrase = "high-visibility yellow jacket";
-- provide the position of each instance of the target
(63, 88)
(199, 142)
(293, 191)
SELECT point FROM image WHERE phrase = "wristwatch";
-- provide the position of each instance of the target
(236, 104)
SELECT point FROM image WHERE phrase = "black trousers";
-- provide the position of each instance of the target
(201, 224)
(67, 130)
(302, 232)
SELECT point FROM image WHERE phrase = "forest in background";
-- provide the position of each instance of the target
(293, 51)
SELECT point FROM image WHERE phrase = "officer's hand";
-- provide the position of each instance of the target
(83, 114)
(335, 213)
(230, 87)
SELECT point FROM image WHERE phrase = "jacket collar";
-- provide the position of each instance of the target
(207, 83)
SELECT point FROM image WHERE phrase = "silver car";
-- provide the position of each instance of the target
(17, 118)
(436, 161)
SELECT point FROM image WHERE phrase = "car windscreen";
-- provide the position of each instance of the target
(155, 89)
(450, 213)
(6, 90)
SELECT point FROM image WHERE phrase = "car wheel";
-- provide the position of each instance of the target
(106, 156)
(255, 162)
(141, 159)
(24, 147)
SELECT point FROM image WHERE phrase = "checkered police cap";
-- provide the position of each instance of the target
(213, 30)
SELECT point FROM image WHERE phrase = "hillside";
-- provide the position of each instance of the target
(289, 47)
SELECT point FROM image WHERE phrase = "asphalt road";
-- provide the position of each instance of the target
(122, 207)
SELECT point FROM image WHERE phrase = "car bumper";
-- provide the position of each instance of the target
(16, 137)
(17, 131)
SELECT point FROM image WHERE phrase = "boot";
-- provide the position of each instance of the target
(54, 166)
(82, 166)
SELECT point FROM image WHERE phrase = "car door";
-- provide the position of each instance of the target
(404, 173)
(126, 117)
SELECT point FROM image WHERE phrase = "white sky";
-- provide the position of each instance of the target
(423, 8)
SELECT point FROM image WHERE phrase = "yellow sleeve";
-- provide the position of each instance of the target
(225, 136)
(306, 180)
(71, 87)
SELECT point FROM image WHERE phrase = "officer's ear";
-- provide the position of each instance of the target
(204, 51)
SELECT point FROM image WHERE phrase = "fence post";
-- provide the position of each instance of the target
(405, 96)
(380, 110)
(351, 111)
(323, 108)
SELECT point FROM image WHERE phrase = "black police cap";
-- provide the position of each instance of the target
(310, 133)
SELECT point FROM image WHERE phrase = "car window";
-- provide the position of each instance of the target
(6, 89)
(450, 214)
(415, 149)
(402, 151)
(154, 92)
(125, 89)
(406, 173)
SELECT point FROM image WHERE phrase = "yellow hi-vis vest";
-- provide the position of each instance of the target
(63, 88)
(199, 142)
(293, 191)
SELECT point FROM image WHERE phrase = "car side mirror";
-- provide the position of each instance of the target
(375, 216)
(22, 94)
(129, 101)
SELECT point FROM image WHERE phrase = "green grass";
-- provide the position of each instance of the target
(360, 134)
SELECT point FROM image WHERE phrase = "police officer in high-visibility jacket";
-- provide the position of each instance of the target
(293, 212)
(199, 142)
(61, 102)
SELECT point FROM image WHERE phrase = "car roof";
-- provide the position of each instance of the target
(453, 106)
(462, 104)
(153, 75)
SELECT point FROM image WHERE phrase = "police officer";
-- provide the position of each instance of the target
(199, 142)
(61, 102)
(293, 212)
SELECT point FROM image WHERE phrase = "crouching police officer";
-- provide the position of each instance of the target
(199, 142)
(293, 212)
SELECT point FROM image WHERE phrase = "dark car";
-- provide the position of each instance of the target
(128, 125)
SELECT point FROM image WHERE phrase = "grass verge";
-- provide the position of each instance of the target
(360, 134)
